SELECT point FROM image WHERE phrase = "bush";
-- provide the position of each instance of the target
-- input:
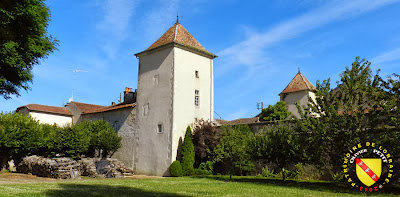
(175, 169)
(267, 173)
(188, 153)
(103, 139)
(70, 142)
(199, 171)
(19, 137)
(208, 166)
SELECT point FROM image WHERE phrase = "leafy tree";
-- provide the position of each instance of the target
(187, 153)
(279, 111)
(18, 137)
(23, 42)
(233, 150)
(70, 142)
(361, 108)
(278, 144)
(205, 138)
(103, 139)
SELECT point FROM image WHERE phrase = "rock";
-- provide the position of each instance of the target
(59, 168)
(66, 168)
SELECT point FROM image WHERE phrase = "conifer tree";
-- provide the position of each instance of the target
(188, 153)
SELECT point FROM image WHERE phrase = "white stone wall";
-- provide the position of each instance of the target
(185, 83)
(47, 118)
(293, 97)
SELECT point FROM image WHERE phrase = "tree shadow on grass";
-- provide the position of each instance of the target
(328, 186)
(76, 190)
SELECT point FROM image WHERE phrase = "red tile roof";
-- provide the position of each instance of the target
(84, 107)
(179, 35)
(298, 83)
(48, 109)
(110, 108)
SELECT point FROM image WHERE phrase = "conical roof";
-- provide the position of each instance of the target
(179, 35)
(299, 83)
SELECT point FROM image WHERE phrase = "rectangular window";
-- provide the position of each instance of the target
(116, 126)
(155, 80)
(146, 109)
(196, 73)
(159, 128)
(196, 98)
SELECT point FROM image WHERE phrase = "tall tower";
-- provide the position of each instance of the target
(175, 86)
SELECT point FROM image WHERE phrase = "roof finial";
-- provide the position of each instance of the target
(299, 68)
(177, 18)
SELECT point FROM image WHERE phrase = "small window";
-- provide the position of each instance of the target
(146, 109)
(155, 80)
(196, 73)
(159, 128)
(196, 98)
(116, 126)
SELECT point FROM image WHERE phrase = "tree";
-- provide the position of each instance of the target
(187, 153)
(205, 138)
(103, 139)
(362, 107)
(279, 111)
(234, 151)
(23, 42)
(278, 144)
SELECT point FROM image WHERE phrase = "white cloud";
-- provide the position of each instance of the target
(252, 54)
(114, 27)
(252, 50)
(158, 19)
(387, 56)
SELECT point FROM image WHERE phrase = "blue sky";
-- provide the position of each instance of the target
(260, 45)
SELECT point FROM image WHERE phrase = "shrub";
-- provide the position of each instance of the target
(103, 139)
(199, 171)
(19, 137)
(175, 169)
(267, 173)
(188, 153)
(70, 142)
(208, 166)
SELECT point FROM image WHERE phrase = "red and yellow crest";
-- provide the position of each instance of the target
(368, 170)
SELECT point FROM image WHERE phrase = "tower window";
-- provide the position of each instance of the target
(155, 80)
(196, 98)
(116, 126)
(146, 109)
(196, 73)
(159, 128)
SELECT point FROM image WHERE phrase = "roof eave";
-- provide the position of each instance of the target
(175, 44)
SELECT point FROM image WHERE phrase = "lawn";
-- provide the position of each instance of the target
(185, 186)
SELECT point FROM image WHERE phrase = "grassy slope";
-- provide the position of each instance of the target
(187, 186)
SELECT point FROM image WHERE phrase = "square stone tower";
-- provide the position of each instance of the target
(175, 86)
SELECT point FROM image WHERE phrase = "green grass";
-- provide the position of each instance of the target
(186, 186)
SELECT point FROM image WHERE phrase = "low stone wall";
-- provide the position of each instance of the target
(66, 168)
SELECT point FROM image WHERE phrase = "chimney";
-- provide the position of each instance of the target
(129, 96)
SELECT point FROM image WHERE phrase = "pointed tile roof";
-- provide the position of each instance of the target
(299, 83)
(177, 34)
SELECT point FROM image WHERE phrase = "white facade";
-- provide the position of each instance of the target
(301, 97)
(48, 118)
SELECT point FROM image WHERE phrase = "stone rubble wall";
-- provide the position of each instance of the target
(66, 168)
